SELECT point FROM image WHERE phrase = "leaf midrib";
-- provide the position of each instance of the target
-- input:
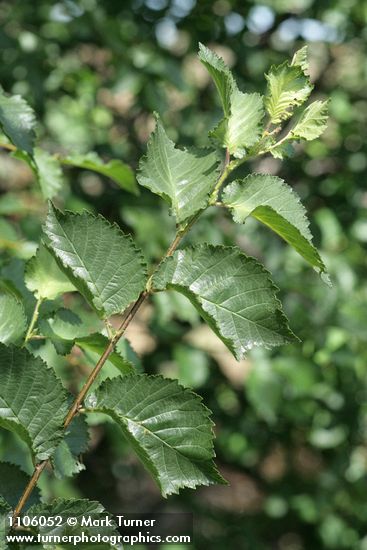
(126, 419)
(240, 316)
(82, 264)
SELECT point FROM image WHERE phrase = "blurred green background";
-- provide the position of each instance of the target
(291, 424)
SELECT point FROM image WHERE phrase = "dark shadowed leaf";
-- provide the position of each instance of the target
(12, 483)
(33, 402)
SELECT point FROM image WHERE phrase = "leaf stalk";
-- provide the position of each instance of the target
(33, 322)
(77, 405)
(78, 402)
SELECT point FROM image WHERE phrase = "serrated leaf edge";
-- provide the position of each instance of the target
(64, 394)
(289, 338)
(174, 209)
(321, 267)
(207, 414)
(112, 225)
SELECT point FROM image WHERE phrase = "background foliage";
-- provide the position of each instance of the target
(291, 423)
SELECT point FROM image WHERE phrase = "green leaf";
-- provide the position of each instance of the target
(8, 234)
(13, 272)
(44, 278)
(167, 425)
(12, 202)
(12, 243)
(270, 200)
(66, 324)
(65, 464)
(102, 262)
(115, 169)
(9, 287)
(62, 328)
(33, 402)
(96, 344)
(5, 512)
(124, 348)
(221, 75)
(76, 508)
(244, 125)
(17, 121)
(12, 483)
(184, 179)
(232, 292)
(46, 169)
(312, 122)
(288, 87)
(282, 150)
(13, 322)
(65, 459)
(49, 173)
(185, 357)
(300, 59)
(243, 113)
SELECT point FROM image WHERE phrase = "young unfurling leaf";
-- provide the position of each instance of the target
(48, 172)
(182, 178)
(221, 75)
(312, 121)
(66, 459)
(244, 125)
(241, 126)
(300, 59)
(288, 87)
(166, 424)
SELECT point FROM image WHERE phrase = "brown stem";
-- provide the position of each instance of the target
(107, 352)
(28, 490)
(176, 241)
(77, 405)
(8, 146)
